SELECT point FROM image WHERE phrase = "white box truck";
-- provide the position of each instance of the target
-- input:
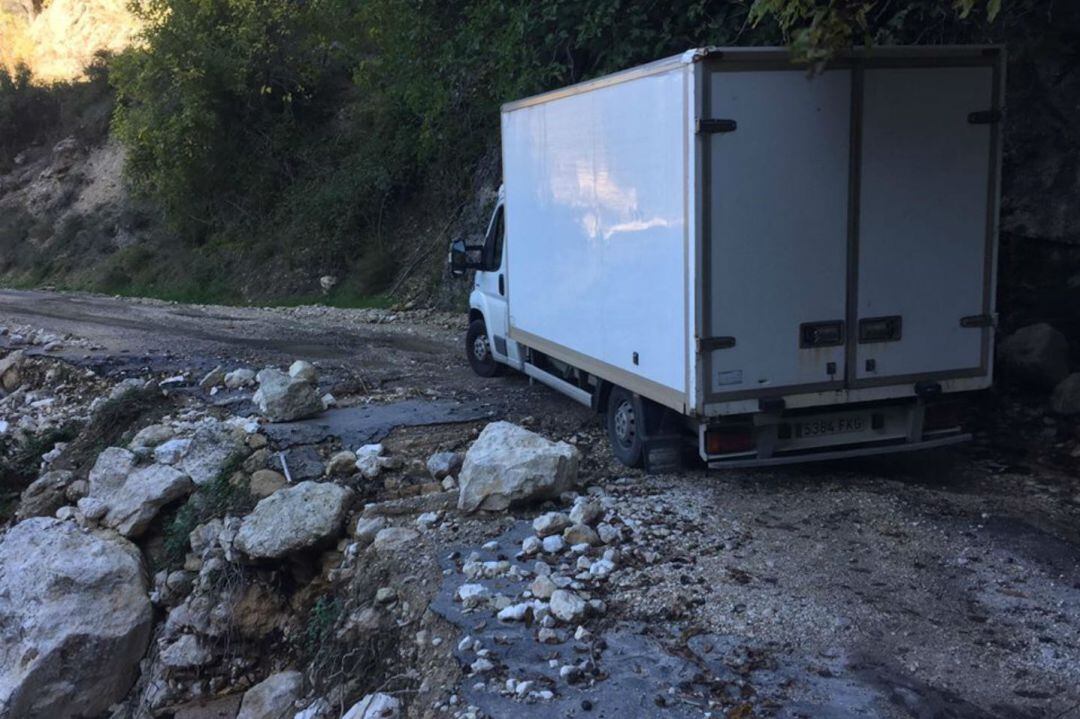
(780, 265)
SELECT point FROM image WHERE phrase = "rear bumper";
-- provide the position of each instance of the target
(841, 453)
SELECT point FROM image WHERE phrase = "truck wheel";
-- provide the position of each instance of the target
(478, 349)
(624, 426)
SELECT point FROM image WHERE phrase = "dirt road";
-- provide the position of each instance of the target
(942, 585)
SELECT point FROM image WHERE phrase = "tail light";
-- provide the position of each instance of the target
(729, 440)
(944, 415)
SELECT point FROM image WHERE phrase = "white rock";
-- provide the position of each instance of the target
(609, 534)
(553, 544)
(473, 595)
(508, 464)
(134, 497)
(305, 371)
(443, 464)
(171, 451)
(281, 398)
(515, 612)
(395, 539)
(551, 523)
(427, 520)
(542, 587)
(240, 378)
(187, 652)
(375, 706)
(272, 698)
(93, 508)
(212, 447)
(293, 518)
(367, 528)
(585, 511)
(530, 545)
(75, 619)
(567, 606)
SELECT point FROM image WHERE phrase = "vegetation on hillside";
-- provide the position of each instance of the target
(283, 140)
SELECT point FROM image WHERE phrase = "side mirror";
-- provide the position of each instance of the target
(459, 258)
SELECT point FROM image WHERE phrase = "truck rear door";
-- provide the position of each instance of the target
(776, 149)
(925, 223)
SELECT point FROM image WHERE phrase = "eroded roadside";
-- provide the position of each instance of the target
(943, 585)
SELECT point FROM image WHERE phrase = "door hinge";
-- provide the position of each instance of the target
(978, 321)
(710, 126)
(985, 117)
(708, 344)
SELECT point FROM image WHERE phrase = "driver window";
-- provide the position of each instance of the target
(494, 246)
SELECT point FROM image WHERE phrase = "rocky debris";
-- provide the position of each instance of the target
(265, 482)
(444, 464)
(273, 698)
(283, 398)
(341, 464)
(133, 497)
(239, 378)
(395, 539)
(370, 461)
(11, 371)
(75, 616)
(508, 465)
(1065, 399)
(45, 495)
(375, 706)
(293, 519)
(1037, 354)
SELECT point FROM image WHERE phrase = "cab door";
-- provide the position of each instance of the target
(491, 284)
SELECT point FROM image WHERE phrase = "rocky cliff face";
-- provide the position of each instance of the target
(57, 39)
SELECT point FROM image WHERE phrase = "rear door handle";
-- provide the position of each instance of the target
(502, 285)
(821, 334)
(881, 329)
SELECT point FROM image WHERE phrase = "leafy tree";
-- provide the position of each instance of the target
(817, 29)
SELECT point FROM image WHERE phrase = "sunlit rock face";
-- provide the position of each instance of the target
(57, 39)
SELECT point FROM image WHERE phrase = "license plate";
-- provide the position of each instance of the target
(830, 425)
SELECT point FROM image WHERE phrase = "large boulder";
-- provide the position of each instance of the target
(1037, 354)
(75, 619)
(46, 495)
(293, 519)
(272, 698)
(509, 465)
(133, 497)
(1066, 396)
(281, 398)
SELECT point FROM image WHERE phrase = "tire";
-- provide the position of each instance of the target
(478, 350)
(625, 420)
